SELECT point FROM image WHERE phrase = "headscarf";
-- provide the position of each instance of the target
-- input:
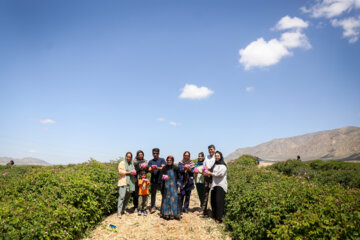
(191, 163)
(137, 160)
(130, 179)
(220, 162)
(165, 170)
(200, 163)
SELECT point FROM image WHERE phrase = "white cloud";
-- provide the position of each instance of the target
(192, 91)
(357, 3)
(351, 27)
(47, 121)
(250, 89)
(295, 40)
(331, 8)
(160, 119)
(32, 151)
(261, 53)
(291, 23)
(335, 8)
(174, 123)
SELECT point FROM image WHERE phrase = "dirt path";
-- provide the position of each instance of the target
(132, 226)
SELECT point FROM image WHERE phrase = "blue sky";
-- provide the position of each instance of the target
(81, 79)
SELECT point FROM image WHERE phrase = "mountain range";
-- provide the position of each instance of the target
(340, 144)
(23, 161)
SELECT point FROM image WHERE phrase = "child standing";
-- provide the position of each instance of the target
(143, 193)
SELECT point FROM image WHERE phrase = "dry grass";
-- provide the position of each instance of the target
(132, 226)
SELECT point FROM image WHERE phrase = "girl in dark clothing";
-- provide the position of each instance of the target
(139, 164)
(186, 167)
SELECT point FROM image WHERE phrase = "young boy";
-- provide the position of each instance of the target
(143, 193)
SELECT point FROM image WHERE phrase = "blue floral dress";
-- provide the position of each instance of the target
(169, 204)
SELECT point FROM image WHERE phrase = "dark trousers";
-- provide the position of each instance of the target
(185, 195)
(143, 202)
(135, 196)
(153, 189)
(200, 191)
(218, 202)
(207, 184)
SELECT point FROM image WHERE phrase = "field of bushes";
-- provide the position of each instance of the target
(55, 202)
(293, 200)
(288, 200)
(346, 174)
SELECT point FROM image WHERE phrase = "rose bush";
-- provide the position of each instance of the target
(265, 204)
(56, 202)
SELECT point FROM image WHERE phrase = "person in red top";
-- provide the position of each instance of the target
(143, 193)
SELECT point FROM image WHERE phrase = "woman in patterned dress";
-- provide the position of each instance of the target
(170, 188)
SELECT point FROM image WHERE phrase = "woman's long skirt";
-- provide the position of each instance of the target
(218, 202)
(169, 203)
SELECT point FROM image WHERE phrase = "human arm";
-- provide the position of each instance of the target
(143, 166)
(163, 164)
(121, 168)
(150, 165)
(219, 171)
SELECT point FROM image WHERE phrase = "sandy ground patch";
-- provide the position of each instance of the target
(132, 226)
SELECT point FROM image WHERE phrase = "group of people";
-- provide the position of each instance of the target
(208, 174)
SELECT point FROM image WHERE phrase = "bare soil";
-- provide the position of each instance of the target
(132, 226)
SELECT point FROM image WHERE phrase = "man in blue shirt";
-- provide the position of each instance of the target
(155, 166)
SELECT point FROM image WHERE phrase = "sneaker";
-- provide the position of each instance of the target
(119, 215)
(135, 210)
(144, 213)
(139, 213)
(152, 210)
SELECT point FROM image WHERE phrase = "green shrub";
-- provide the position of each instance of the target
(246, 160)
(57, 202)
(327, 172)
(265, 204)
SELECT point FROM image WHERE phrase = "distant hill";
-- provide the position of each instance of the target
(342, 143)
(23, 161)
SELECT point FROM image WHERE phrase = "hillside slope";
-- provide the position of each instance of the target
(23, 161)
(342, 143)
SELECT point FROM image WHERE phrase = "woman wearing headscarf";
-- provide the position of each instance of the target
(170, 188)
(140, 164)
(218, 186)
(186, 167)
(126, 182)
(199, 178)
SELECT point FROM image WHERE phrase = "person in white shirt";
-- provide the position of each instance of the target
(218, 187)
(208, 163)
